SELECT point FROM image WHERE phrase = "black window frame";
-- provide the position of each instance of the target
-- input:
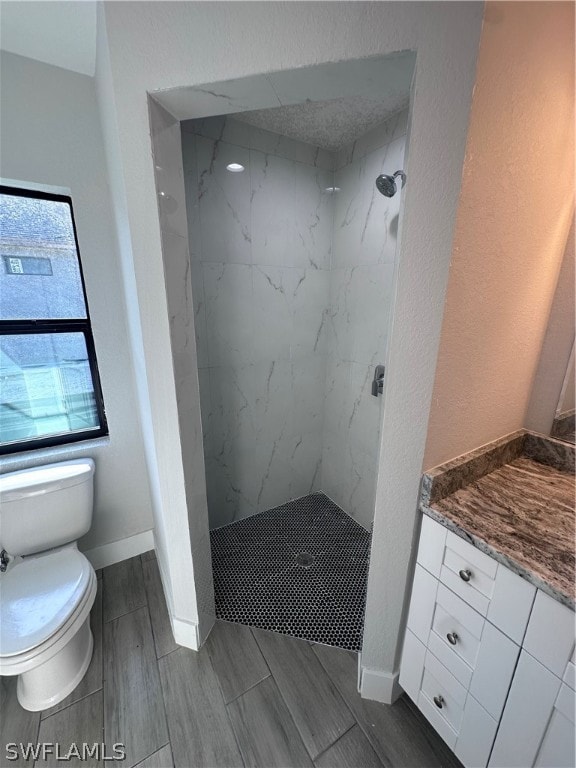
(52, 326)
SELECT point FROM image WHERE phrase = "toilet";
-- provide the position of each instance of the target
(48, 586)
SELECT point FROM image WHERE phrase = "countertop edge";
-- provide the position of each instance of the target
(499, 556)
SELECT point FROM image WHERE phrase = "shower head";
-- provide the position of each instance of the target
(387, 184)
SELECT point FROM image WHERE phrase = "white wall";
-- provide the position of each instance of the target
(361, 289)
(514, 214)
(155, 46)
(260, 256)
(49, 134)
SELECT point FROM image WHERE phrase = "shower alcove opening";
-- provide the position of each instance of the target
(287, 280)
(292, 261)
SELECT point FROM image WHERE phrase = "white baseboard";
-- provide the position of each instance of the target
(108, 554)
(186, 633)
(379, 686)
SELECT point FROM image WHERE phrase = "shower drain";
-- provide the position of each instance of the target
(304, 559)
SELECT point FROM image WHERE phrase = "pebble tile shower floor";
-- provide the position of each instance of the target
(299, 569)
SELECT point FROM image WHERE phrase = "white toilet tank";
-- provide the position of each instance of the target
(45, 507)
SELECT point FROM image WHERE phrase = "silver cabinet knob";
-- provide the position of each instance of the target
(439, 701)
(452, 638)
(465, 574)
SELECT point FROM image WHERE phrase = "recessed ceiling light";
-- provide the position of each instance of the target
(332, 190)
(235, 167)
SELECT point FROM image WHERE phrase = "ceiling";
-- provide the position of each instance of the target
(328, 124)
(326, 105)
(61, 33)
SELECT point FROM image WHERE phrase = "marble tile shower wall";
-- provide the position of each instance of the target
(291, 289)
(361, 287)
(260, 246)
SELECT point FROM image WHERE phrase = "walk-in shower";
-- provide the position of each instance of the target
(292, 260)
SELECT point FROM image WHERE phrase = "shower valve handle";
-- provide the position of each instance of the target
(378, 381)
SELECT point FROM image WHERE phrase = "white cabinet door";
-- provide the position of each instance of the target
(526, 716)
(476, 735)
(557, 749)
(550, 634)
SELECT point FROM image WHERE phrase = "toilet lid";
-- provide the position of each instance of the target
(37, 596)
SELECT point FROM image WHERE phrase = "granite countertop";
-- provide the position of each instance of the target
(514, 500)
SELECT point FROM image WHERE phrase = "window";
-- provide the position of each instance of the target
(49, 385)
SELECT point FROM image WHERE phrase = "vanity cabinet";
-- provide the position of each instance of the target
(475, 631)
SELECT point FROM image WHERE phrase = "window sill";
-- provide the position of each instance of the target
(26, 459)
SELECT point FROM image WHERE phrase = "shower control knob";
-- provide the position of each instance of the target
(378, 381)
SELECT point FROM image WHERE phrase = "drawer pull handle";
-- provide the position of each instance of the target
(465, 574)
(452, 638)
(439, 701)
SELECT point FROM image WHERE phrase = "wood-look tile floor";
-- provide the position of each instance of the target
(248, 698)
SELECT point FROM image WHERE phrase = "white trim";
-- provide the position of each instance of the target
(379, 686)
(34, 185)
(108, 554)
(186, 633)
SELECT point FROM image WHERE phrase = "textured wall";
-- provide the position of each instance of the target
(50, 134)
(260, 256)
(556, 350)
(361, 290)
(513, 219)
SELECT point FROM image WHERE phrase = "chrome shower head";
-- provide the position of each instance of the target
(387, 184)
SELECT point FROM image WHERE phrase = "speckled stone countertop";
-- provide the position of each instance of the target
(514, 500)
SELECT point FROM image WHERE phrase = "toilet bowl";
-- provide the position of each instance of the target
(46, 594)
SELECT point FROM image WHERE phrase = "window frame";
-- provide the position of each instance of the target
(56, 325)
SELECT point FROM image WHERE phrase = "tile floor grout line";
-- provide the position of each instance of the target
(104, 730)
(160, 681)
(103, 665)
(344, 702)
(251, 687)
(71, 704)
(126, 613)
(153, 753)
(169, 653)
(365, 731)
(354, 724)
(230, 721)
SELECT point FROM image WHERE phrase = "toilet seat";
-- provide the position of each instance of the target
(41, 598)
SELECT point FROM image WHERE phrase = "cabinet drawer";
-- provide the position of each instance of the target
(455, 634)
(477, 654)
(493, 590)
(443, 691)
(468, 572)
(461, 721)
